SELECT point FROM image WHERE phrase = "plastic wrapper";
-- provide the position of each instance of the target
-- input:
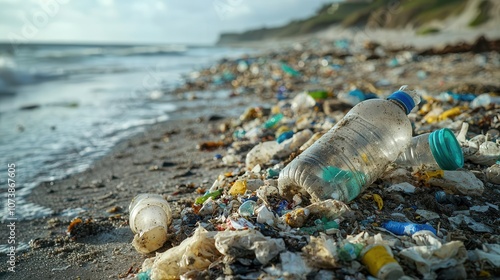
(321, 252)
(479, 149)
(194, 253)
(463, 182)
(248, 243)
(434, 255)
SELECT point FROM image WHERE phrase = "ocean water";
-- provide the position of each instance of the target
(64, 106)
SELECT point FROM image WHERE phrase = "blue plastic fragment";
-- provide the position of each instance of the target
(284, 136)
(401, 228)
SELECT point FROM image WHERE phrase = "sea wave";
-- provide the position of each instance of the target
(88, 51)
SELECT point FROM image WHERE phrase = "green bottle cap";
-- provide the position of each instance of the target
(446, 149)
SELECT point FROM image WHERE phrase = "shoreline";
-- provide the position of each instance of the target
(103, 247)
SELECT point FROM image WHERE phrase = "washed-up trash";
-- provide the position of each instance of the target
(381, 263)
(265, 151)
(194, 253)
(303, 102)
(484, 100)
(214, 194)
(293, 265)
(336, 165)
(321, 252)
(150, 217)
(479, 149)
(463, 182)
(433, 256)
(437, 150)
(426, 214)
(470, 222)
(248, 244)
(402, 187)
(350, 251)
(355, 96)
(401, 228)
(444, 198)
(493, 174)
(490, 254)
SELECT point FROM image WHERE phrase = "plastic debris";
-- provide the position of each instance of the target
(248, 243)
(303, 237)
(381, 263)
(470, 222)
(321, 252)
(402, 187)
(214, 194)
(329, 162)
(401, 228)
(433, 256)
(194, 253)
(463, 182)
(150, 217)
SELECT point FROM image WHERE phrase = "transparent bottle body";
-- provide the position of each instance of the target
(418, 153)
(351, 155)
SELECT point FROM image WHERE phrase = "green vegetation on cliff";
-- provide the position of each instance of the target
(374, 14)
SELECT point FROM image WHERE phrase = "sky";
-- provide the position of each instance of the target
(145, 21)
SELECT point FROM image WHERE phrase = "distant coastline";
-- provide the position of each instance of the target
(420, 18)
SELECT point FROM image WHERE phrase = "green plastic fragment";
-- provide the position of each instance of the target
(273, 121)
(350, 251)
(289, 70)
(204, 198)
(145, 275)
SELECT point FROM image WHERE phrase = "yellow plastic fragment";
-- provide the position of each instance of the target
(239, 187)
(433, 174)
(453, 112)
(484, 273)
(426, 108)
(275, 110)
(379, 201)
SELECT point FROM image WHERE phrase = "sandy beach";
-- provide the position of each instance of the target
(165, 160)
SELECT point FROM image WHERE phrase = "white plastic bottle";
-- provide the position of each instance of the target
(436, 150)
(355, 152)
(150, 216)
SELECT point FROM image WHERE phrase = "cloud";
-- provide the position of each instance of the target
(147, 21)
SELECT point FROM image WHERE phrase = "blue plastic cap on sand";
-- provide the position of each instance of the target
(446, 149)
(404, 99)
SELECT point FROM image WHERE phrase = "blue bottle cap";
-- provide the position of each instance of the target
(446, 149)
(404, 99)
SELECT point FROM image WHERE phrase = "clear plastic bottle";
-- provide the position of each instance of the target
(355, 152)
(436, 150)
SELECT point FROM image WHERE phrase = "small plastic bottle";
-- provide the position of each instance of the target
(401, 228)
(150, 216)
(381, 263)
(437, 150)
(355, 152)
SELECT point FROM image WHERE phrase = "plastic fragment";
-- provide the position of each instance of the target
(293, 265)
(238, 188)
(237, 244)
(401, 228)
(378, 199)
(428, 215)
(429, 258)
(463, 182)
(321, 252)
(404, 187)
(213, 194)
(194, 253)
(247, 208)
(273, 121)
(470, 222)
